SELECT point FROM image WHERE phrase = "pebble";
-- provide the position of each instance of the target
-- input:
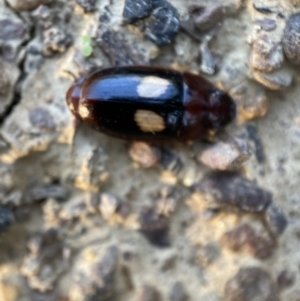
(256, 106)
(137, 9)
(251, 283)
(144, 154)
(233, 190)
(87, 5)
(253, 136)
(148, 293)
(245, 238)
(6, 218)
(285, 280)
(41, 118)
(21, 5)
(275, 80)
(12, 29)
(206, 17)
(44, 16)
(158, 19)
(178, 292)
(42, 192)
(47, 260)
(226, 155)
(266, 24)
(154, 228)
(171, 162)
(163, 24)
(108, 205)
(111, 42)
(94, 275)
(291, 39)
(55, 40)
(266, 53)
(275, 219)
(208, 254)
(208, 64)
(14, 33)
(167, 202)
(5, 83)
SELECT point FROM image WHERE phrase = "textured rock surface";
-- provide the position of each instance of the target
(84, 216)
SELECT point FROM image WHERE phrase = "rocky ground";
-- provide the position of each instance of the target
(84, 216)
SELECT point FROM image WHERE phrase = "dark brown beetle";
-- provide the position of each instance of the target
(150, 103)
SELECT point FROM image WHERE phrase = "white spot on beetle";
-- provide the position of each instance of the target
(152, 86)
(149, 121)
(71, 107)
(83, 111)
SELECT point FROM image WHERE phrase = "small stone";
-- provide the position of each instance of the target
(167, 203)
(144, 154)
(266, 24)
(231, 189)
(44, 16)
(253, 136)
(250, 284)
(5, 83)
(276, 220)
(14, 33)
(12, 29)
(6, 218)
(170, 162)
(136, 9)
(244, 238)
(41, 118)
(206, 17)
(94, 275)
(87, 5)
(207, 254)
(47, 260)
(108, 205)
(8, 79)
(42, 192)
(111, 42)
(13, 199)
(275, 80)
(208, 63)
(291, 39)
(285, 280)
(255, 107)
(163, 24)
(55, 40)
(154, 228)
(148, 293)
(177, 292)
(20, 5)
(266, 53)
(226, 155)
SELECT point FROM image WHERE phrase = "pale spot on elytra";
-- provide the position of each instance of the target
(71, 107)
(149, 121)
(83, 111)
(152, 86)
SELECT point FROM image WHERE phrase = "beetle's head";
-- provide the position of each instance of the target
(222, 109)
(73, 96)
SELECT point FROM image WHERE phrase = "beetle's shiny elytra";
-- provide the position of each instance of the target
(150, 103)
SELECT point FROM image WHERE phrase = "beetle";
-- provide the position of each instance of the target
(150, 103)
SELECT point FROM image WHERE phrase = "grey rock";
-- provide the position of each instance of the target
(291, 39)
(163, 25)
(137, 9)
(250, 284)
(177, 292)
(231, 189)
(6, 218)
